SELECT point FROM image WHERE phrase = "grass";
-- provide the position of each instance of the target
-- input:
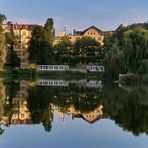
(12, 73)
(69, 75)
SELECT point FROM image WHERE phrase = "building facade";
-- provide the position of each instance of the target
(89, 117)
(92, 32)
(24, 33)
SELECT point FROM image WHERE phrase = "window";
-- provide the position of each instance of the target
(24, 33)
(23, 53)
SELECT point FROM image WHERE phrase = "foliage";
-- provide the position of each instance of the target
(2, 42)
(63, 47)
(111, 62)
(11, 41)
(40, 107)
(40, 50)
(87, 46)
(135, 46)
(49, 30)
(125, 50)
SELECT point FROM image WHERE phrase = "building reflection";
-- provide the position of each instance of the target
(90, 117)
(20, 113)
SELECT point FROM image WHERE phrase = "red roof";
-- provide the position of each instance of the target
(24, 26)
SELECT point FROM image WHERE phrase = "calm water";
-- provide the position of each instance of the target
(72, 114)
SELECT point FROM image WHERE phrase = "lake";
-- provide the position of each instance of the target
(72, 114)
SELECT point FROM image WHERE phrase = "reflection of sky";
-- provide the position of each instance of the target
(78, 14)
(71, 134)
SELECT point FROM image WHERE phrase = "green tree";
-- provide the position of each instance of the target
(40, 51)
(135, 48)
(87, 46)
(125, 50)
(12, 57)
(64, 46)
(2, 42)
(49, 30)
(112, 63)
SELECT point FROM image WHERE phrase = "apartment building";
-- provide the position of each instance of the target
(92, 32)
(24, 33)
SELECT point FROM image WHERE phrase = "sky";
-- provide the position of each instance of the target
(76, 14)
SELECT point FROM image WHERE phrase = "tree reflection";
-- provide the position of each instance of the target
(128, 107)
(2, 99)
(83, 99)
(39, 106)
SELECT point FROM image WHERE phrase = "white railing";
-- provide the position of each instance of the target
(52, 67)
(94, 84)
(63, 83)
(95, 68)
(52, 83)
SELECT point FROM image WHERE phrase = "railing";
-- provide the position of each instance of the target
(63, 83)
(52, 83)
(53, 67)
(92, 68)
(94, 84)
(95, 68)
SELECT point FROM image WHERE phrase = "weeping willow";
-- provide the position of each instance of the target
(128, 55)
(135, 46)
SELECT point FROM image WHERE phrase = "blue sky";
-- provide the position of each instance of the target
(76, 14)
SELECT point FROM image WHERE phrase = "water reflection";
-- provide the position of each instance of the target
(87, 100)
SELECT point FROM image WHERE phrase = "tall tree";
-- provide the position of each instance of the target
(49, 30)
(40, 50)
(12, 57)
(2, 42)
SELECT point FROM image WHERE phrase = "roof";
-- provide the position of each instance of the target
(78, 32)
(93, 27)
(19, 26)
(82, 32)
(81, 116)
(24, 26)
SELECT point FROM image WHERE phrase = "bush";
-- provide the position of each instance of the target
(129, 79)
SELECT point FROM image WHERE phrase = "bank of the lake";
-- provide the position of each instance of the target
(33, 73)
